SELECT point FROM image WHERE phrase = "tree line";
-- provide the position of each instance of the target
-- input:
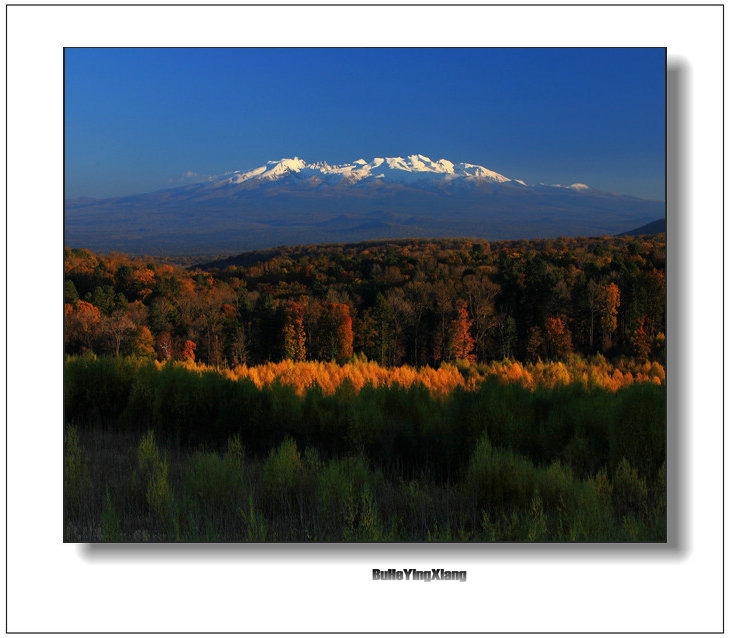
(416, 302)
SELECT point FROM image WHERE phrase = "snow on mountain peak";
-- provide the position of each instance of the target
(409, 169)
(286, 165)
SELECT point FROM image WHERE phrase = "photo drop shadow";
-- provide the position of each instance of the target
(679, 262)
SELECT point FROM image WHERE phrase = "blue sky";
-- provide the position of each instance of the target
(138, 120)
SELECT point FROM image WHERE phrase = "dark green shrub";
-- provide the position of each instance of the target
(340, 486)
(499, 480)
(256, 527)
(557, 489)
(97, 389)
(149, 459)
(502, 412)
(630, 493)
(578, 455)
(138, 414)
(658, 506)
(234, 451)
(76, 474)
(370, 528)
(159, 496)
(213, 483)
(369, 426)
(538, 528)
(282, 472)
(246, 411)
(110, 521)
(153, 472)
(593, 520)
(638, 432)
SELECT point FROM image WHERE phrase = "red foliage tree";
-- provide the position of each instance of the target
(228, 312)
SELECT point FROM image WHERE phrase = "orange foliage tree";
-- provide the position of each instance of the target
(558, 339)
(461, 343)
(80, 325)
(188, 351)
(403, 302)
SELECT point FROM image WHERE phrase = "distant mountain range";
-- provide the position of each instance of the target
(291, 201)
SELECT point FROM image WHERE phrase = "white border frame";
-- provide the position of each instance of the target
(54, 587)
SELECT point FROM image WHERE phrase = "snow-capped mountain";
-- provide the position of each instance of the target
(292, 201)
(388, 169)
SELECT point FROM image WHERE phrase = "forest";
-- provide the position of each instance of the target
(407, 302)
(410, 390)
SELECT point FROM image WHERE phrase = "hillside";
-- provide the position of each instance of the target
(652, 228)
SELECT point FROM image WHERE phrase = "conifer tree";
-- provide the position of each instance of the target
(608, 299)
(640, 340)
(294, 336)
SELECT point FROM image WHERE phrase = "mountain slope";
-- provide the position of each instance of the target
(291, 201)
(657, 226)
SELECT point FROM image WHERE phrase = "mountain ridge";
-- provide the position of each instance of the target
(293, 201)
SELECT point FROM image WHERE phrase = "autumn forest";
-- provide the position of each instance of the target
(406, 390)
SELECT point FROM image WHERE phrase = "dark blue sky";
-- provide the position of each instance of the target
(144, 119)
